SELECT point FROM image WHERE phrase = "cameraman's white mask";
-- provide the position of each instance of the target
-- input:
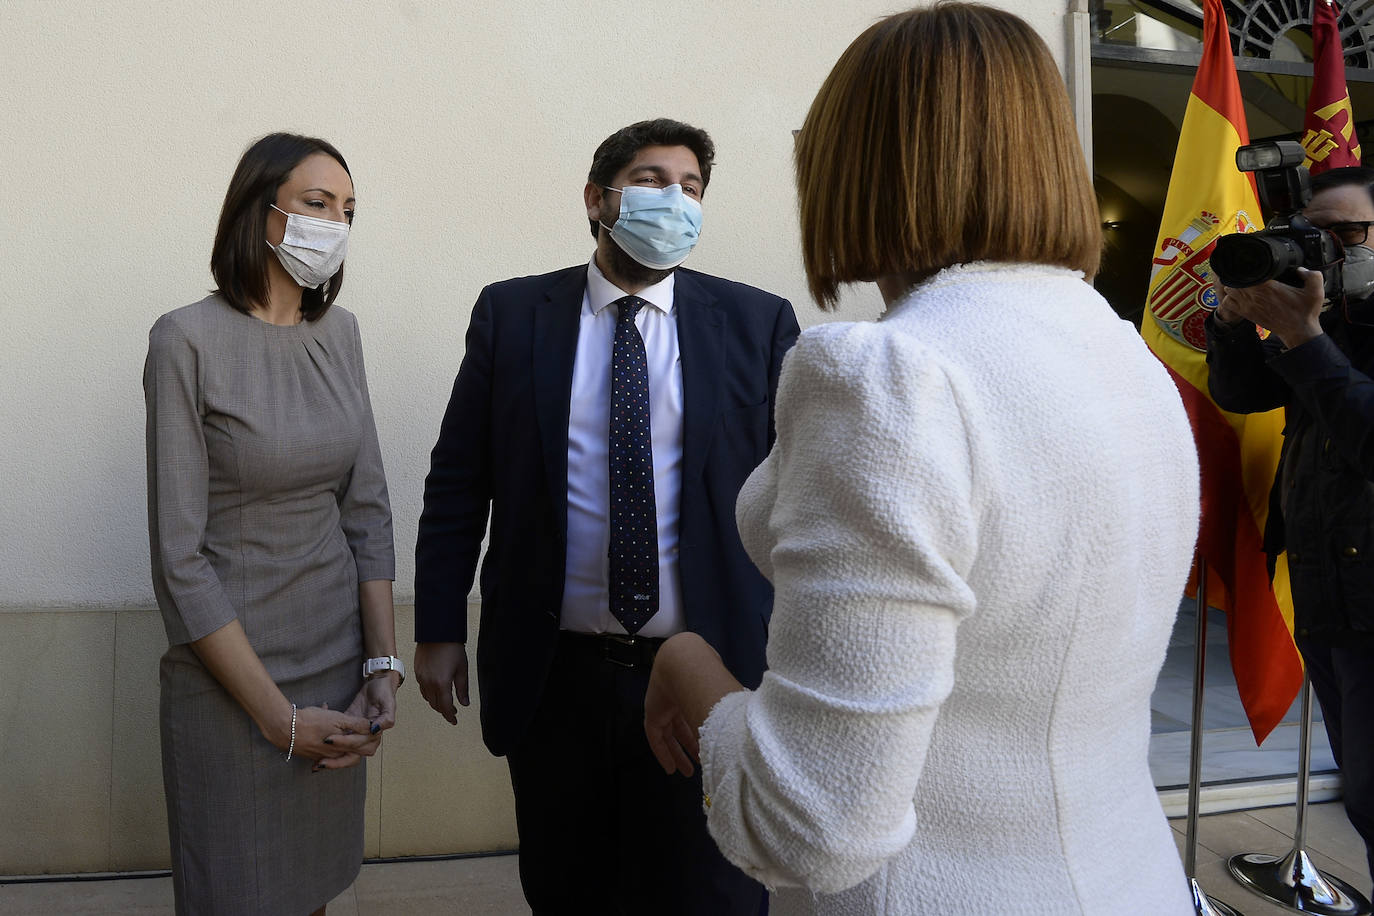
(1357, 272)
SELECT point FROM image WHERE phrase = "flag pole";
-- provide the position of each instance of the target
(1204, 905)
(1292, 880)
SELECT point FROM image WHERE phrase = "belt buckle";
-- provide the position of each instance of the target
(621, 650)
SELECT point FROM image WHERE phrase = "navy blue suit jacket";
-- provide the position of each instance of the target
(503, 449)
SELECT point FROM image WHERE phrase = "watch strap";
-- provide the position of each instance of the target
(384, 663)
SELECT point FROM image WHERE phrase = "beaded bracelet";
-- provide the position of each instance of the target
(290, 748)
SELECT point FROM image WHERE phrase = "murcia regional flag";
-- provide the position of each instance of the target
(1238, 454)
(1329, 127)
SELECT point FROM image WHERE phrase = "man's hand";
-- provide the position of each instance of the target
(441, 669)
(673, 742)
(1291, 314)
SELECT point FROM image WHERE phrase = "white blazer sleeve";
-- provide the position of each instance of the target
(811, 777)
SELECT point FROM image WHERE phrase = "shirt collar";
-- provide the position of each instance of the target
(602, 292)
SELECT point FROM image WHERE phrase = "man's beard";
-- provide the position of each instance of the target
(626, 267)
(631, 271)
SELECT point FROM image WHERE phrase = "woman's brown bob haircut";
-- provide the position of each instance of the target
(942, 136)
(239, 259)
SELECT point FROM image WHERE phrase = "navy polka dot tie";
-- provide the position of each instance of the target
(634, 521)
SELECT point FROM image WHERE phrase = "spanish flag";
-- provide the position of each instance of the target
(1238, 454)
(1329, 128)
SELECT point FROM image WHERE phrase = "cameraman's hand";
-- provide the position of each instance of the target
(1224, 313)
(1289, 313)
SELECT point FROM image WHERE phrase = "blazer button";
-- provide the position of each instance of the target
(1293, 557)
(1351, 551)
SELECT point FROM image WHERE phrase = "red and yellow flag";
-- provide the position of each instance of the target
(1329, 128)
(1207, 198)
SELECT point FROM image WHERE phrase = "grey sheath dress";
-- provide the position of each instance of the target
(266, 503)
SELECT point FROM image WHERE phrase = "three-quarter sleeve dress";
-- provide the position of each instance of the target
(267, 503)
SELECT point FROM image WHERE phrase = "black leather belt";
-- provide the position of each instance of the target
(614, 648)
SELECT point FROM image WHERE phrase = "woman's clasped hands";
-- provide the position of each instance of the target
(336, 740)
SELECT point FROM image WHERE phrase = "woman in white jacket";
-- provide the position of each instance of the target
(978, 518)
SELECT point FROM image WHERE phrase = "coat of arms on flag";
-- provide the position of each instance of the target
(1181, 302)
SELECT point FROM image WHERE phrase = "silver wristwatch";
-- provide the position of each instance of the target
(384, 663)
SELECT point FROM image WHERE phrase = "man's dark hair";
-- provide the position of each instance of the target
(239, 259)
(616, 151)
(1352, 175)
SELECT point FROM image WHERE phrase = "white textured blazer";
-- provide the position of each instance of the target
(978, 519)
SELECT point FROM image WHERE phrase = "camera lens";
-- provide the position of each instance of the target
(1247, 260)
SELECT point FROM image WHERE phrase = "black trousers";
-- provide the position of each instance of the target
(602, 828)
(1343, 679)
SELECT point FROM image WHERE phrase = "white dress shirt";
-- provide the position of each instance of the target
(586, 606)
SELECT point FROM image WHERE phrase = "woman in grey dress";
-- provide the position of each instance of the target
(271, 549)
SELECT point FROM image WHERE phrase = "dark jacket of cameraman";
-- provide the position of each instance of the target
(1321, 506)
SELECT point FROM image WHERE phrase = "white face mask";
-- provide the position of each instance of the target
(311, 248)
(1357, 272)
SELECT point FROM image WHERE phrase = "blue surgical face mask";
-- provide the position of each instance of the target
(658, 227)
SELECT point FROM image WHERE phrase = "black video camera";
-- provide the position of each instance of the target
(1288, 241)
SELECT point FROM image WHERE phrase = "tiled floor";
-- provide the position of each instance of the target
(488, 886)
(491, 886)
(1332, 845)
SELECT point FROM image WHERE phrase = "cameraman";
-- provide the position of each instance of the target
(1318, 364)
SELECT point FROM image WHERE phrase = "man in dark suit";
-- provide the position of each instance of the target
(606, 415)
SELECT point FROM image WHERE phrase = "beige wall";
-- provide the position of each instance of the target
(82, 784)
(469, 128)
